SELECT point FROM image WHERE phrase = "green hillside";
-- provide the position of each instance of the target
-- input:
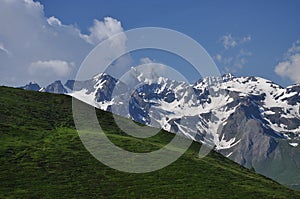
(41, 156)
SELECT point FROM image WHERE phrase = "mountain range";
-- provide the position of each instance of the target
(42, 156)
(250, 120)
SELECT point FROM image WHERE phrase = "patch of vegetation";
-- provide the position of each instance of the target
(42, 156)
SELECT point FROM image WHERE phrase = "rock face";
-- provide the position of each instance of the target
(250, 120)
(56, 87)
(31, 86)
(257, 141)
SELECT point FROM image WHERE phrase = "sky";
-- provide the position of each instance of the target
(46, 40)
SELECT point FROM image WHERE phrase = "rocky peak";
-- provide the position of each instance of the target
(56, 87)
(31, 86)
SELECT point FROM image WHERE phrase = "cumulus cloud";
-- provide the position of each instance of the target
(102, 30)
(53, 21)
(31, 39)
(290, 66)
(116, 46)
(58, 68)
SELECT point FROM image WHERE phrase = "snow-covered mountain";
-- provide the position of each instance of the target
(250, 120)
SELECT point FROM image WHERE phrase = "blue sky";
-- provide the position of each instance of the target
(244, 37)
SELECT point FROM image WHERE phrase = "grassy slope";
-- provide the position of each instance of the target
(41, 155)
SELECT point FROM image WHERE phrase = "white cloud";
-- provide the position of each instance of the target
(294, 49)
(53, 21)
(235, 56)
(102, 30)
(233, 61)
(240, 62)
(241, 58)
(218, 57)
(290, 67)
(150, 71)
(146, 60)
(31, 3)
(58, 68)
(228, 41)
(3, 49)
(244, 52)
(246, 39)
(30, 36)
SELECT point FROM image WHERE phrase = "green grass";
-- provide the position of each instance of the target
(41, 156)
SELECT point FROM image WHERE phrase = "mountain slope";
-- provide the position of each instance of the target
(41, 155)
(250, 120)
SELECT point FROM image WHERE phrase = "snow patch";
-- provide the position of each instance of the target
(294, 144)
